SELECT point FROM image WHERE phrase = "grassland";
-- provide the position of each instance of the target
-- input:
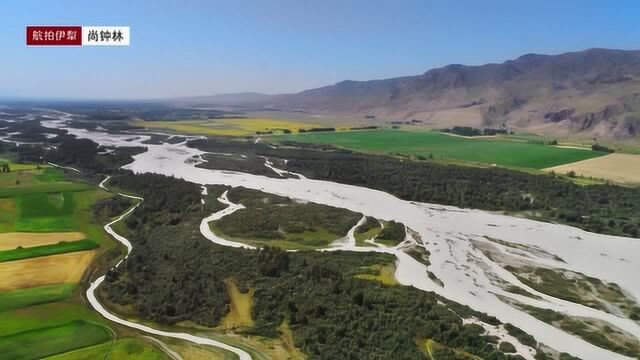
(308, 240)
(128, 348)
(434, 351)
(505, 152)
(369, 230)
(270, 220)
(227, 127)
(13, 166)
(384, 273)
(241, 305)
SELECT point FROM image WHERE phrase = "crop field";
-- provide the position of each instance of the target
(62, 247)
(42, 342)
(25, 239)
(228, 127)
(622, 168)
(26, 178)
(16, 299)
(46, 270)
(489, 151)
(48, 238)
(127, 348)
(43, 202)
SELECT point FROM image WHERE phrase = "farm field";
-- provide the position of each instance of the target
(26, 239)
(228, 127)
(43, 342)
(621, 168)
(498, 151)
(48, 239)
(46, 270)
(129, 348)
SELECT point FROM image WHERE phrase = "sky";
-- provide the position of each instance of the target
(197, 47)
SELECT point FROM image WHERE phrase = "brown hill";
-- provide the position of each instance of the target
(594, 92)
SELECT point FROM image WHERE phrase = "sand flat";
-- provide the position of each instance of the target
(622, 168)
(44, 270)
(12, 240)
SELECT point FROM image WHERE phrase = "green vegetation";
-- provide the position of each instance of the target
(575, 287)
(128, 348)
(240, 307)
(270, 220)
(47, 188)
(227, 127)
(419, 253)
(16, 299)
(46, 250)
(392, 234)
(436, 351)
(36, 322)
(369, 230)
(506, 347)
(384, 273)
(523, 338)
(599, 333)
(251, 163)
(331, 313)
(46, 341)
(427, 144)
(606, 209)
(520, 291)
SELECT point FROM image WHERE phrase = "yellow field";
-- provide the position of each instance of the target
(199, 352)
(240, 309)
(288, 341)
(428, 346)
(621, 168)
(47, 270)
(14, 239)
(228, 127)
(19, 167)
(385, 274)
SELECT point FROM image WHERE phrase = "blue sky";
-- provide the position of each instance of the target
(196, 47)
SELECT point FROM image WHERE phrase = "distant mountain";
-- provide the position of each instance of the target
(593, 93)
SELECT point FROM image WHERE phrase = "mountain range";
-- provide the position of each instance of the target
(593, 93)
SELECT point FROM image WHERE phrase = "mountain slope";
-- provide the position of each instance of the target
(594, 92)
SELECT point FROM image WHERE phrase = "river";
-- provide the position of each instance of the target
(449, 233)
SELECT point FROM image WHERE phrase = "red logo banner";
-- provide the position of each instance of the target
(54, 35)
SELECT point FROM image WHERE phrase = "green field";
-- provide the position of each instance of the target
(46, 250)
(41, 321)
(499, 151)
(46, 341)
(43, 201)
(122, 349)
(16, 299)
